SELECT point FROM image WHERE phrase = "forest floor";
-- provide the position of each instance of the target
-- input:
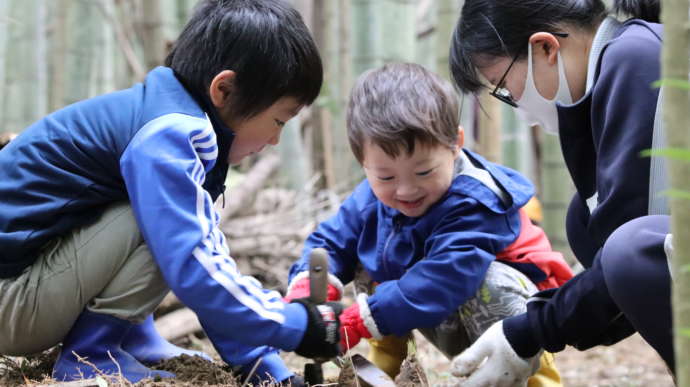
(629, 363)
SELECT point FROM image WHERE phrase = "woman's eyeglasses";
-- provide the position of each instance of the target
(500, 91)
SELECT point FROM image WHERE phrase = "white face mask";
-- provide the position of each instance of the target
(537, 110)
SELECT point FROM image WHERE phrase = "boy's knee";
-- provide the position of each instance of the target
(504, 282)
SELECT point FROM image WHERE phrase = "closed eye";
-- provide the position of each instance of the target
(386, 178)
(279, 122)
(424, 173)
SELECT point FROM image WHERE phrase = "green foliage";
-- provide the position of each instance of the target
(682, 84)
(680, 154)
(677, 194)
(685, 332)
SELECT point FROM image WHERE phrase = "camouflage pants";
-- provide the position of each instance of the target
(503, 293)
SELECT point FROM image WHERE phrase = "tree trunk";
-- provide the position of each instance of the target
(515, 142)
(489, 131)
(366, 42)
(676, 118)
(22, 104)
(427, 26)
(348, 172)
(40, 91)
(398, 30)
(448, 12)
(152, 34)
(322, 139)
(84, 29)
(5, 21)
(555, 195)
(108, 58)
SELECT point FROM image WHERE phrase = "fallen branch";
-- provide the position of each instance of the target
(76, 383)
(250, 185)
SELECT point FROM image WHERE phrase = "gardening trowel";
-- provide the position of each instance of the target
(367, 372)
(318, 287)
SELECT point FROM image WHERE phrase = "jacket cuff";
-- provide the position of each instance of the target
(292, 330)
(367, 318)
(519, 335)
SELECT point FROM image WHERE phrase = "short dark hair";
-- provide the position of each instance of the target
(265, 42)
(399, 104)
(490, 29)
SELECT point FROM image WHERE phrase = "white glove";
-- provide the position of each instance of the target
(492, 362)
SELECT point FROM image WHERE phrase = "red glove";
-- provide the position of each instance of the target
(300, 289)
(352, 328)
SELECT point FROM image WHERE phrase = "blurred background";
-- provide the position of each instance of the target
(56, 52)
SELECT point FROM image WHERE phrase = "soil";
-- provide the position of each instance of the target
(629, 363)
(347, 376)
(189, 371)
(193, 371)
(411, 374)
(35, 368)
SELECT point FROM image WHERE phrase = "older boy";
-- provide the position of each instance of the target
(437, 230)
(108, 203)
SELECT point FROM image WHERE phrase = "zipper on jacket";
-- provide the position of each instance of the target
(395, 230)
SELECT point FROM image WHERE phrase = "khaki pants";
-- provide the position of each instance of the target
(105, 267)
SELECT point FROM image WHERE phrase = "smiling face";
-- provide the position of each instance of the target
(254, 133)
(410, 183)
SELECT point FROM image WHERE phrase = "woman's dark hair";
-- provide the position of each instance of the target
(265, 42)
(490, 29)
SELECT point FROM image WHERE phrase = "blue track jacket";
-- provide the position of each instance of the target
(156, 147)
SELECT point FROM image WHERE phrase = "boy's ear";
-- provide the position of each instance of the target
(545, 44)
(222, 86)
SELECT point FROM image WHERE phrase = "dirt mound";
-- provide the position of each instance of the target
(411, 374)
(347, 376)
(36, 367)
(194, 371)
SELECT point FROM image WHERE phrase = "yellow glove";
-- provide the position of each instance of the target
(547, 375)
(389, 353)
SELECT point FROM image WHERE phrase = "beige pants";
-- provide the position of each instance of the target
(105, 267)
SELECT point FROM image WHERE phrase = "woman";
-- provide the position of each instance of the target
(569, 67)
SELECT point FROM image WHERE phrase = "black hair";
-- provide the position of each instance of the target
(400, 105)
(649, 10)
(491, 29)
(265, 42)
